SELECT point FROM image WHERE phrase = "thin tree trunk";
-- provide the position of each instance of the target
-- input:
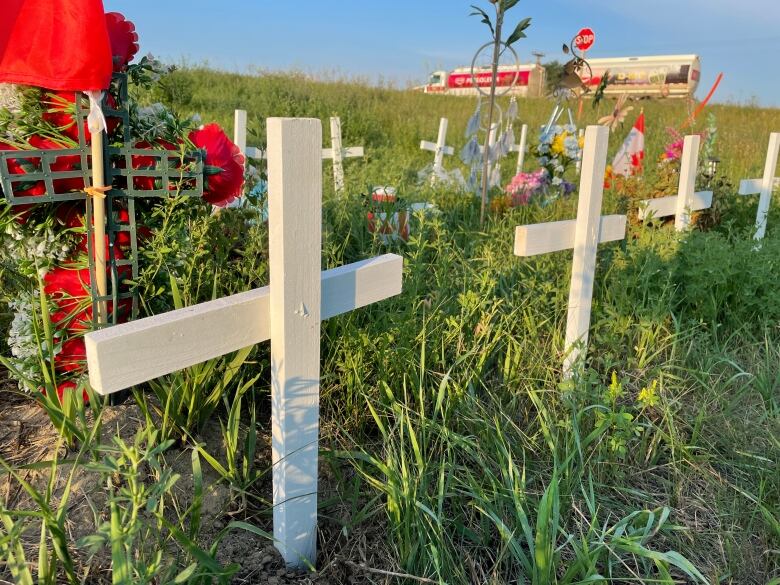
(491, 108)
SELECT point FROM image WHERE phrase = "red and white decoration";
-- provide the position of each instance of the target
(628, 160)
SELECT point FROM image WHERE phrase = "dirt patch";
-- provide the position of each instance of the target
(27, 436)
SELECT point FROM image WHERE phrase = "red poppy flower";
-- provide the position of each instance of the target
(63, 387)
(124, 39)
(143, 162)
(21, 166)
(60, 111)
(72, 356)
(65, 162)
(224, 171)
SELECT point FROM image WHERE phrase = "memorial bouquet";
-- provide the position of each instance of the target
(558, 150)
(44, 258)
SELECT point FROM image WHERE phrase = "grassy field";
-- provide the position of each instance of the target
(452, 452)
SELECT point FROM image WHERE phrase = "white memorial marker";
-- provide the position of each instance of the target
(687, 198)
(439, 149)
(520, 149)
(336, 152)
(763, 186)
(583, 235)
(339, 153)
(288, 312)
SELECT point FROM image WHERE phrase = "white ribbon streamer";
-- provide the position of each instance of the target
(96, 121)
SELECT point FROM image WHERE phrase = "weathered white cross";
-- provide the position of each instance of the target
(520, 149)
(763, 186)
(687, 199)
(288, 312)
(583, 235)
(439, 149)
(337, 152)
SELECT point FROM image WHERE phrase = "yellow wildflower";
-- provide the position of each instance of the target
(648, 396)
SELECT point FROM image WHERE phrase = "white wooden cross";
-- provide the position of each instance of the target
(288, 312)
(520, 149)
(439, 149)
(494, 178)
(763, 186)
(583, 235)
(687, 199)
(339, 153)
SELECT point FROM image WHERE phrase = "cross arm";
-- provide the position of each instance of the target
(432, 146)
(755, 186)
(666, 206)
(349, 152)
(125, 355)
(542, 238)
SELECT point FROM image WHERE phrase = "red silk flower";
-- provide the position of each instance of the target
(66, 162)
(18, 166)
(143, 162)
(124, 39)
(60, 111)
(63, 387)
(224, 171)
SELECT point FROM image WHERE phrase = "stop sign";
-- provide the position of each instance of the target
(584, 39)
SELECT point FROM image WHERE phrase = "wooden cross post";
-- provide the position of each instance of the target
(583, 235)
(338, 153)
(520, 149)
(439, 149)
(288, 312)
(763, 186)
(687, 199)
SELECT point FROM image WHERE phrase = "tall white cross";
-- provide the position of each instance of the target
(339, 153)
(520, 149)
(439, 149)
(288, 312)
(763, 186)
(583, 235)
(687, 199)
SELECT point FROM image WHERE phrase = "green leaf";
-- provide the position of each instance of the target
(508, 4)
(485, 18)
(518, 32)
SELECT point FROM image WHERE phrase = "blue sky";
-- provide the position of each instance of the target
(402, 40)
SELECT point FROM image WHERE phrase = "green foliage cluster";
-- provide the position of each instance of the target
(445, 421)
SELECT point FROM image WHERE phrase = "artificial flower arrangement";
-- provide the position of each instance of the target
(47, 245)
(558, 150)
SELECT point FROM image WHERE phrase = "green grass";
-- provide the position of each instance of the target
(445, 420)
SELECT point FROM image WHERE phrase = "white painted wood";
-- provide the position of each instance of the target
(349, 152)
(255, 152)
(764, 186)
(687, 199)
(688, 165)
(439, 149)
(543, 238)
(667, 206)
(338, 165)
(295, 252)
(753, 186)
(520, 149)
(179, 339)
(586, 238)
(580, 134)
(583, 235)
(239, 130)
(288, 311)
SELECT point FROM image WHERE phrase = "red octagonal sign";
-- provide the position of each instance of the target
(585, 39)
